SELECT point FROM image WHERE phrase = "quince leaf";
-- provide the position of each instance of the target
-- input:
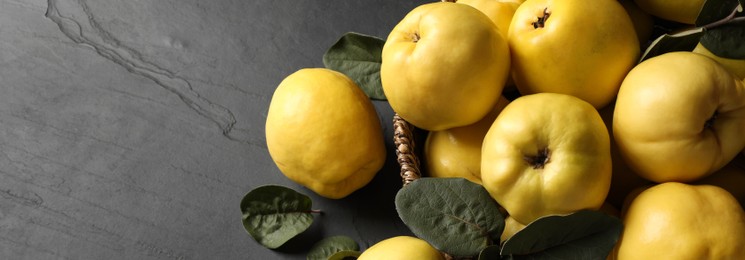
(584, 234)
(727, 40)
(359, 57)
(682, 41)
(715, 10)
(330, 246)
(274, 214)
(454, 215)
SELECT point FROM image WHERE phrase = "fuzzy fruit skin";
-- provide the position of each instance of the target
(584, 49)
(577, 173)
(735, 66)
(401, 248)
(681, 221)
(444, 65)
(456, 152)
(664, 121)
(678, 11)
(323, 132)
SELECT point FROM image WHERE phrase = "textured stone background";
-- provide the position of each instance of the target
(132, 129)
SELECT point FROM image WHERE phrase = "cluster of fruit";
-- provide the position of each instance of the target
(591, 128)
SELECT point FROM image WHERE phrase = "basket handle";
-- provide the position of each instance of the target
(403, 138)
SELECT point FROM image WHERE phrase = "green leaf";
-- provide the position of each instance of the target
(683, 41)
(727, 41)
(273, 214)
(491, 253)
(715, 10)
(359, 57)
(345, 255)
(329, 246)
(585, 234)
(453, 214)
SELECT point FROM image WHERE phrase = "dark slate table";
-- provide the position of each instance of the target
(132, 129)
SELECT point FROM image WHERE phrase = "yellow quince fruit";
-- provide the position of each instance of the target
(444, 65)
(679, 117)
(547, 154)
(323, 132)
(674, 220)
(401, 248)
(575, 47)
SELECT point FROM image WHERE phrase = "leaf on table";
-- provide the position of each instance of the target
(274, 214)
(329, 246)
(683, 41)
(359, 57)
(584, 234)
(715, 10)
(454, 215)
(727, 41)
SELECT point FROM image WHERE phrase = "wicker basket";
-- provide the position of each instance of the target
(403, 138)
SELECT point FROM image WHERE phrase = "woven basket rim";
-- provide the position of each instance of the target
(403, 139)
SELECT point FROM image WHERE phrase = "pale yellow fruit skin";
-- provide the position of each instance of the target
(456, 152)
(684, 11)
(453, 75)
(578, 173)
(661, 112)
(323, 132)
(680, 221)
(584, 50)
(500, 12)
(401, 248)
(735, 66)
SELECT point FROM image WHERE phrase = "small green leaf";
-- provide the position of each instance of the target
(727, 41)
(585, 234)
(345, 255)
(683, 41)
(715, 10)
(453, 214)
(491, 253)
(329, 246)
(273, 214)
(359, 57)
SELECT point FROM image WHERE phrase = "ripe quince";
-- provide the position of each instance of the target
(323, 132)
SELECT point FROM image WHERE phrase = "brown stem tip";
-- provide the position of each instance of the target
(542, 19)
(539, 160)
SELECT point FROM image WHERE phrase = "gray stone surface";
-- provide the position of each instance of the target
(132, 129)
